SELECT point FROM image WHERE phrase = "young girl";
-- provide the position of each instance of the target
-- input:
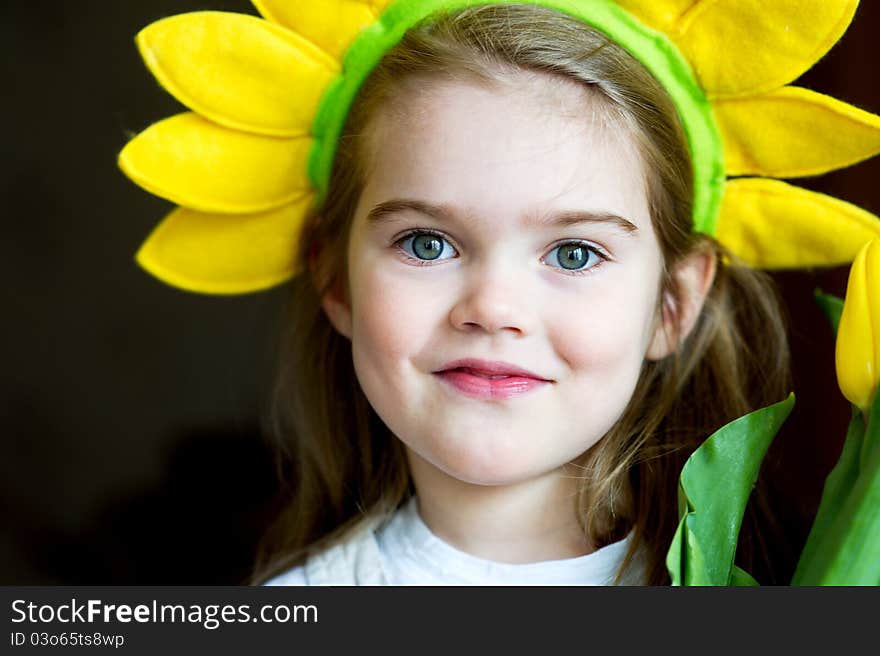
(503, 205)
(507, 334)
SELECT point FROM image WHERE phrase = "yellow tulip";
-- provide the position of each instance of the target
(858, 335)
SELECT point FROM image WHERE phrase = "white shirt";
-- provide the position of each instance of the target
(404, 551)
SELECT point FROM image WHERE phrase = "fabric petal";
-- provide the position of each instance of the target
(201, 165)
(331, 24)
(774, 225)
(225, 254)
(745, 47)
(662, 15)
(793, 132)
(238, 70)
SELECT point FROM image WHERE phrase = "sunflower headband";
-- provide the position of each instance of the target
(269, 98)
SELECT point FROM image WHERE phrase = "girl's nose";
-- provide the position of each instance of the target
(495, 299)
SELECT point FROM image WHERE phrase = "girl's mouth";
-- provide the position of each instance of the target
(481, 374)
(486, 386)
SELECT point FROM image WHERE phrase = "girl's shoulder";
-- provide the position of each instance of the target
(293, 576)
(353, 559)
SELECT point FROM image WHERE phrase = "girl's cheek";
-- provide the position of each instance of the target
(602, 327)
(393, 311)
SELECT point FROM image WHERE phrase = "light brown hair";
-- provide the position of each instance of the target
(339, 461)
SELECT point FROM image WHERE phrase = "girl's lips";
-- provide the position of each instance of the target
(482, 386)
(489, 368)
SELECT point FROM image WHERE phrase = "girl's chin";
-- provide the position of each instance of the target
(482, 468)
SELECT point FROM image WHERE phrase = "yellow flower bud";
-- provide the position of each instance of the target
(858, 335)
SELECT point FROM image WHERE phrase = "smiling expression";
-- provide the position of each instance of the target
(505, 226)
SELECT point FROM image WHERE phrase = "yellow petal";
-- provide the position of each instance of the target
(201, 165)
(857, 355)
(239, 71)
(225, 254)
(792, 132)
(752, 46)
(331, 24)
(774, 225)
(662, 15)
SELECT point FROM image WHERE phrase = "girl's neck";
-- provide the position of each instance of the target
(529, 521)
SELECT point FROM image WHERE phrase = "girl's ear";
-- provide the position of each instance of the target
(693, 278)
(338, 309)
(334, 301)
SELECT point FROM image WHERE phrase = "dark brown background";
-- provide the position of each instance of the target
(131, 451)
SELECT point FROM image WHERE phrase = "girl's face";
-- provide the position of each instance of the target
(506, 226)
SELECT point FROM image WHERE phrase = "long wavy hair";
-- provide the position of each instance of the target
(338, 461)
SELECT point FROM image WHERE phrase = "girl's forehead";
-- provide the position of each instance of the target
(533, 144)
(532, 93)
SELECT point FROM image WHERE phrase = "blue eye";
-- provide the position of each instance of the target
(576, 256)
(426, 246)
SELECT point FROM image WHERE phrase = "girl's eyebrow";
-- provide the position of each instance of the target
(384, 211)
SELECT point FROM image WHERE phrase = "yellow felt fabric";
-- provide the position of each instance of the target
(331, 24)
(662, 15)
(745, 47)
(774, 225)
(225, 254)
(857, 356)
(238, 70)
(793, 132)
(201, 165)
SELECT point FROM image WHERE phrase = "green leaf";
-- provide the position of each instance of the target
(816, 556)
(831, 305)
(848, 549)
(740, 577)
(872, 435)
(716, 482)
(675, 557)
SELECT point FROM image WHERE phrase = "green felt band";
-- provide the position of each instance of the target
(654, 50)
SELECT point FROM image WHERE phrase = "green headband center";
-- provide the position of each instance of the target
(654, 50)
